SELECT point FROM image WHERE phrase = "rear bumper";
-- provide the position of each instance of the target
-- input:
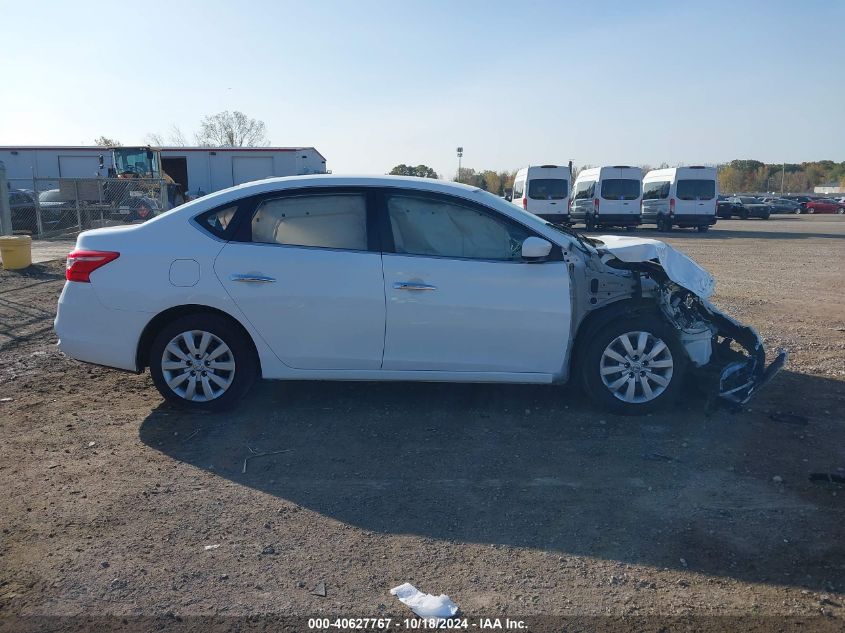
(555, 218)
(90, 332)
(694, 219)
(618, 219)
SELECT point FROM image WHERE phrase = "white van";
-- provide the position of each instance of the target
(608, 196)
(680, 196)
(544, 191)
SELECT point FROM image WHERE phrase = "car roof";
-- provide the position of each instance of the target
(270, 185)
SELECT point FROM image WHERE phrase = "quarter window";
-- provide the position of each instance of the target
(429, 226)
(585, 189)
(218, 221)
(656, 190)
(326, 221)
(518, 189)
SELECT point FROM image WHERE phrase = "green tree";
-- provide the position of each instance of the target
(420, 171)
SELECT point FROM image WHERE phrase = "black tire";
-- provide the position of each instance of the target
(243, 353)
(631, 228)
(589, 222)
(703, 228)
(766, 216)
(743, 215)
(591, 359)
(664, 224)
(840, 210)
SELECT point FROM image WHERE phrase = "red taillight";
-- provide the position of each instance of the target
(569, 204)
(596, 204)
(80, 264)
(671, 206)
(525, 203)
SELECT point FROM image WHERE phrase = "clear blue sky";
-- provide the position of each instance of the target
(373, 84)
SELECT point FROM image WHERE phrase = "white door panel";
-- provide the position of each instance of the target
(315, 308)
(473, 315)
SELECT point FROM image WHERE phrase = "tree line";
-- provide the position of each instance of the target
(735, 176)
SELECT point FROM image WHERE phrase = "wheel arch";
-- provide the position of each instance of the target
(159, 321)
(597, 319)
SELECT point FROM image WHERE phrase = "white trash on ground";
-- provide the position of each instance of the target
(424, 604)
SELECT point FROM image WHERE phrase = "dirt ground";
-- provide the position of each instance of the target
(513, 500)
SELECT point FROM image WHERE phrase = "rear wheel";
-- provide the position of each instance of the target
(703, 228)
(590, 222)
(633, 365)
(202, 361)
(840, 210)
(743, 215)
(631, 228)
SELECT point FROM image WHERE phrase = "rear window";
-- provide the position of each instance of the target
(547, 189)
(620, 189)
(696, 189)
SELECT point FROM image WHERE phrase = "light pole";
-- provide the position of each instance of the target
(782, 177)
(460, 151)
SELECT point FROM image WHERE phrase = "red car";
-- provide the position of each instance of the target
(825, 205)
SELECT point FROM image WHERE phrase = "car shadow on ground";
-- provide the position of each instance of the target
(538, 467)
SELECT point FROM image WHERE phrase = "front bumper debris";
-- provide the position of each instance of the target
(741, 375)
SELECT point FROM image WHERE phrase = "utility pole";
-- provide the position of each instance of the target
(782, 177)
(5, 212)
(460, 151)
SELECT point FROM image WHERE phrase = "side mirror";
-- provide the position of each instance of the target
(536, 248)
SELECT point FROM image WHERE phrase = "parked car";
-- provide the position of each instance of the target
(783, 205)
(748, 207)
(825, 205)
(725, 208)
(139, 209)
(57, 211)
(393, 278)
(22, 210)
(802, 200)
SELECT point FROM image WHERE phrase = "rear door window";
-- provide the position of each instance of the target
(696, 189)
(547, 189)
(620, 189)
(322, 221)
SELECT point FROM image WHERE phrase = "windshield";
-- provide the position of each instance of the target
(547, 189)
(136, 161)
(747, 200)
(696, 189)
(620, 189)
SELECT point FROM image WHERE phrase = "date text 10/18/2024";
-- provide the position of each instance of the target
(352, 624)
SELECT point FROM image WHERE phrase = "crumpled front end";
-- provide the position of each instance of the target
(719, 344)
(722, 347)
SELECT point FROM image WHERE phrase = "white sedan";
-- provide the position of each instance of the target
(390, 278)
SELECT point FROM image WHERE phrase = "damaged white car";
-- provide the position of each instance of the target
(388, 278)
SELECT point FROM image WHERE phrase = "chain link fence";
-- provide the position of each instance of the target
(53, 207)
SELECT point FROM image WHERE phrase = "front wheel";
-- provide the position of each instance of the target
(633, 365)
(840, 210)
(703, 228)
(202, 361)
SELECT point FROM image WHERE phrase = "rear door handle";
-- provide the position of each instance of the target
(252, 279)
(409, 285)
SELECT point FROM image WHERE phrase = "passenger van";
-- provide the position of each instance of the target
(680, 196)
(544, 191)
(608, 196)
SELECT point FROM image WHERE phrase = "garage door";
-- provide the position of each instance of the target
(79, 166)
(247, 168)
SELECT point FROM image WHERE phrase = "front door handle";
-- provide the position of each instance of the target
(409, 285)
(252, 279)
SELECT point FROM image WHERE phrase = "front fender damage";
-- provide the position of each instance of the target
(729, 356)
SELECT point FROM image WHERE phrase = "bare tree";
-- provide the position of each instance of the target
(232, 129)
(105, 141)
(175, 138)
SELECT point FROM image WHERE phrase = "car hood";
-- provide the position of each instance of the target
(679, 268)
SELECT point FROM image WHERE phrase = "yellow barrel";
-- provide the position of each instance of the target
(16, 251)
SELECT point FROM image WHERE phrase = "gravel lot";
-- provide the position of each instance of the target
(514, 500)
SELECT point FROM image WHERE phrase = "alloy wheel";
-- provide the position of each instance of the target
(636, 367)
(198, 366)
